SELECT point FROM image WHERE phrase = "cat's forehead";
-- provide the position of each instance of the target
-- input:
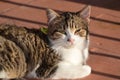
(70, 19)
(69, 15)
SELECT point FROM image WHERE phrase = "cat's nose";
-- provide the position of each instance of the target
(71, 40)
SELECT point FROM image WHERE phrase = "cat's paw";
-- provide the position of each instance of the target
(86, 70)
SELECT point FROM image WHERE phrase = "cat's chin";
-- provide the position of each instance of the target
(68, 46)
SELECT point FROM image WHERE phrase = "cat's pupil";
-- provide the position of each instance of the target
(64, 33)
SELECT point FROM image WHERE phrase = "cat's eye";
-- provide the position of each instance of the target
(78, 30)
(63, 32)
(59, 32)
(55, 31)
(81, 32)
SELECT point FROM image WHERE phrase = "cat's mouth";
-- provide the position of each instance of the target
(69, 45)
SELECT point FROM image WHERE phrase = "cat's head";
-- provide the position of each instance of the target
(69, 28)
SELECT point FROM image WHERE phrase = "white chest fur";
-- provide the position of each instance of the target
(72, 56)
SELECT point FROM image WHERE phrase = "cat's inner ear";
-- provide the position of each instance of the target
(51, 14)
(85, 13)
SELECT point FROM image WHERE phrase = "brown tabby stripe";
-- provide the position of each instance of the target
(30, 48)
(10, 59)
(72, 20)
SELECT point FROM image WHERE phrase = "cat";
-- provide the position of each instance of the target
(69, 36)
(61, 53)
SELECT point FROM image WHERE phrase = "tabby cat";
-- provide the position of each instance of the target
(61, 53)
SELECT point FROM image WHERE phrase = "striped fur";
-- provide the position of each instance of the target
(22, 49)
(31, 53)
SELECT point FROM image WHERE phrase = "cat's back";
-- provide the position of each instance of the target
(27, 42)
(11, 55)
(13, 30)
(20, 34)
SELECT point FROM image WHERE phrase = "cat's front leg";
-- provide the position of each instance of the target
(72, 72)
(85, 71)
(85, 56)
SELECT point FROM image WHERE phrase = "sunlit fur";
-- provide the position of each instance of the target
(62, 53)
(69, 36)
(25, 53)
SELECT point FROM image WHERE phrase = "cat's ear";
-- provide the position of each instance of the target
(51, 14)
(85, 13)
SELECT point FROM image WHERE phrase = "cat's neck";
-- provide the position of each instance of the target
(72, 55)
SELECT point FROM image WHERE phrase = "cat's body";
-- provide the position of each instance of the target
(22, 50)
(62, 53)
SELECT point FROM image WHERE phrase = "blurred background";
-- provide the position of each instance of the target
(104, 28)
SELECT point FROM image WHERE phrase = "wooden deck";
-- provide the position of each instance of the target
(104, 28)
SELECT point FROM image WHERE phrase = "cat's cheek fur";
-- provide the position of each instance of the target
(58, 42)
(80, 42)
